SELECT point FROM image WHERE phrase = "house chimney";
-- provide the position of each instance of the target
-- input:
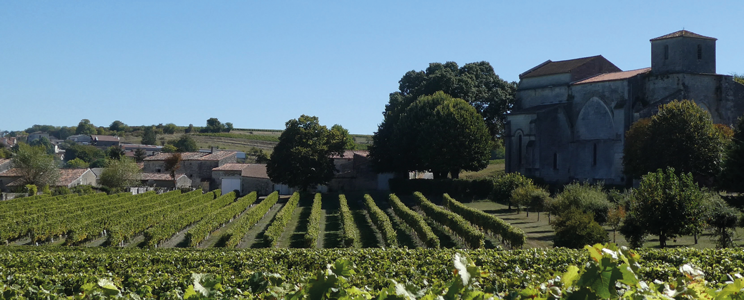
(211, 151)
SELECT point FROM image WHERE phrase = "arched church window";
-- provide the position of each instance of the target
(555, 160)
(594, 156)
(666, 52)
(519, 151)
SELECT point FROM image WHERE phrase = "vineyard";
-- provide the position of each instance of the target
(41, 272)
(145, 247)
(203, 220)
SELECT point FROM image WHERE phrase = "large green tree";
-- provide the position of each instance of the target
(119, 174)
(35, 165)
(682, 136)
(475, 83)
(149, 136)
(85, 127)
(86, 153)
(185, 144)
(732, 175)
(665, 205)
(302, 158)
(442, 134)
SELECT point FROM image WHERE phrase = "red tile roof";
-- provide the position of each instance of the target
(614, 76)
(557, 67)
(159, 176)
(67, 176)
(682, 33)
(230, 167)
(14, 172)
(255, 171)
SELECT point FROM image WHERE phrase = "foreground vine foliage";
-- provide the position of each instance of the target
(606, 272)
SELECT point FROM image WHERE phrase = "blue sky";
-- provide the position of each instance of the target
(258, 64)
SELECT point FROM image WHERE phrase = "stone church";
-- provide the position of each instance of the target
(570, 117)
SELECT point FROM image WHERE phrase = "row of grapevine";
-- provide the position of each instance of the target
(351, 233)
(272, 234)
(20, 226)
(217, 219)
(381, 220)
(102, 224)
(415, 221)
(37, 205)
(313, 226)
(46, 209)
(510, 235)
(179, 220)
(233, 235)
(61, 224)
(472, 236)
(131, 227)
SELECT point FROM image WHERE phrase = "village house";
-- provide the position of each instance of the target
(104, 141)
(197, 166)
(8, 141)
(82, 139)
(244, 178)
(570, 117)
(67, 178)
(165, 180)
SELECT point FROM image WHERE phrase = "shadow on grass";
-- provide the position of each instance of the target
(298, 235)
(367, 235)
(332, 238)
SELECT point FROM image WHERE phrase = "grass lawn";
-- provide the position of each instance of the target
(495, 167)
(540, 234)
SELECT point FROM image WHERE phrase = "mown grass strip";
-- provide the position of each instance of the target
(233, 235)
(473, 237)
(381, 220)
(272, 234)
(217, 219)
(415, 221)
(510, 235)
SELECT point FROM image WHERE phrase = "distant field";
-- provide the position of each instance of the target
(495, 167)
(237, 139)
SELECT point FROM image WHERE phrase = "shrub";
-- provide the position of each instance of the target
(504, 185)
(531, 197)
(585, 197)
(575, 228)
(723, 219)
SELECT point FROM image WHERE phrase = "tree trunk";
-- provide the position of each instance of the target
(614, 240)
(538, 216)
(528, 211)
(695, 235)
(662, 240)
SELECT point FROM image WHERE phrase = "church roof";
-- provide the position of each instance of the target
(550, 67)
(682, 33)
(614, 76)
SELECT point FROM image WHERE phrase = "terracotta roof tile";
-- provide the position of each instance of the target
(231, 167)
(255, 171)
(682, 33)
(14, 172)
(557, 67)
(67, 176)
(614, 76)
(159, 176)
